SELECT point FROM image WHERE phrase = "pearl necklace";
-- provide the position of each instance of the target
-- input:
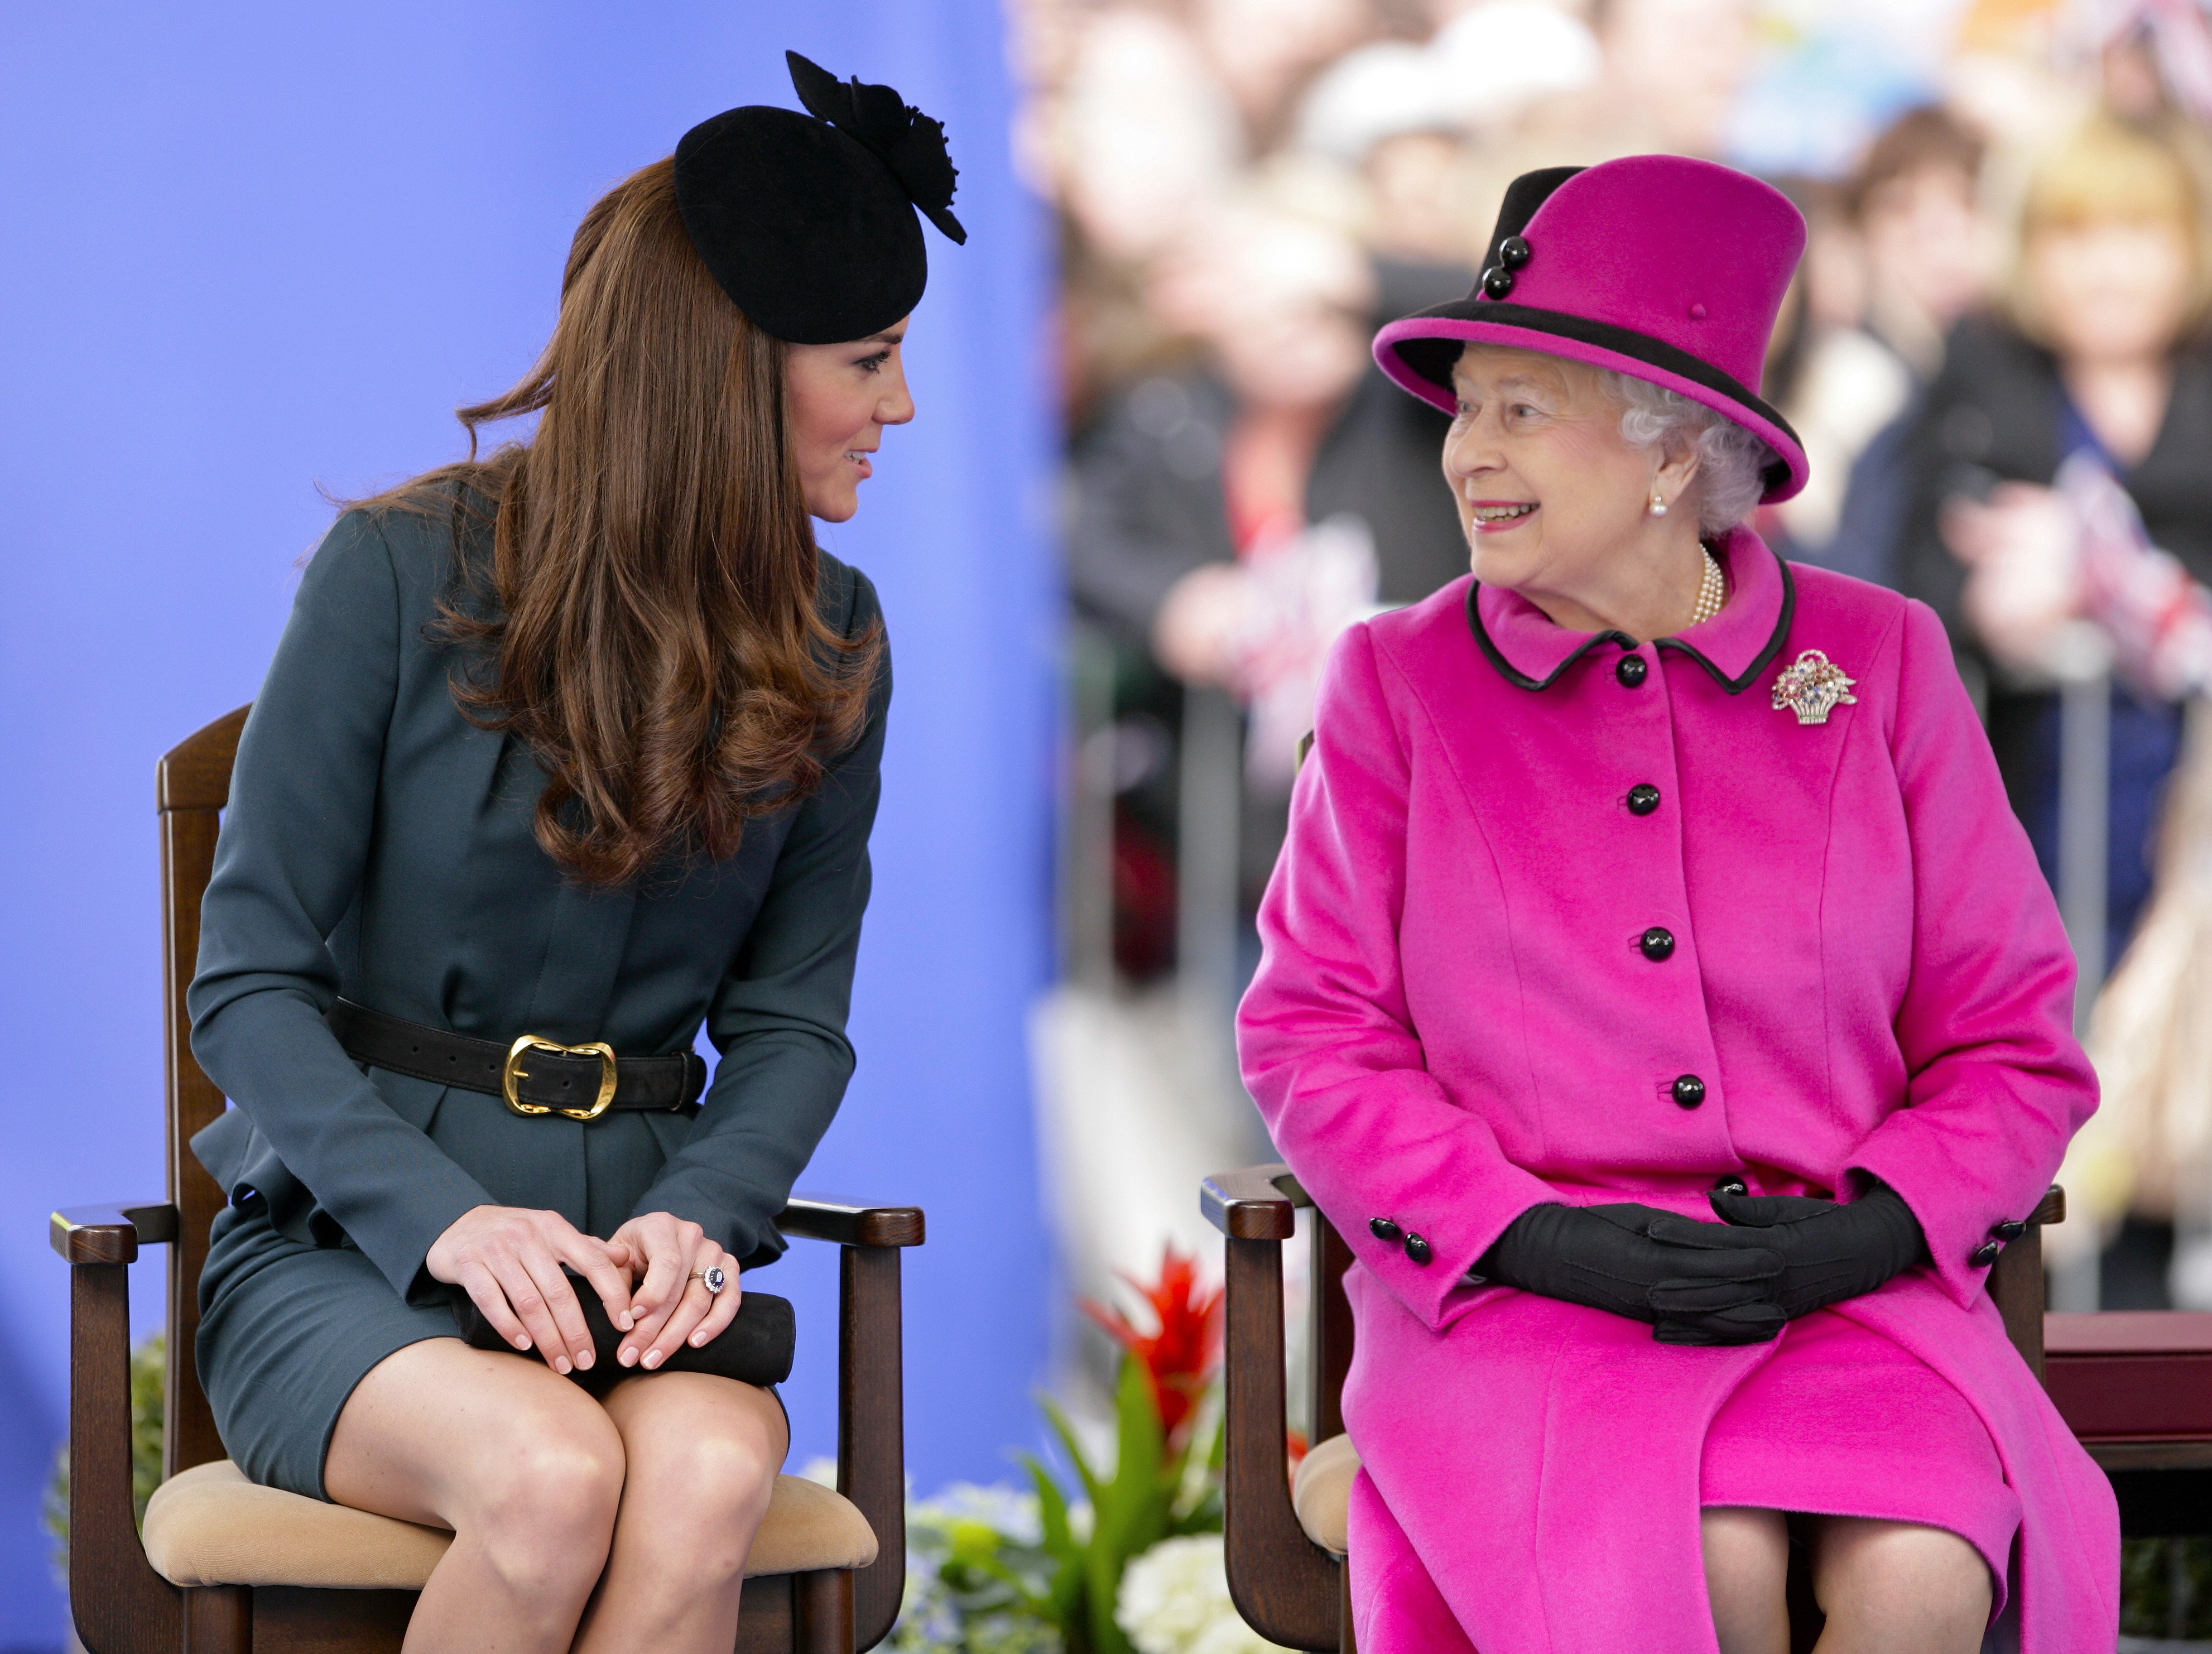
(1712, 590)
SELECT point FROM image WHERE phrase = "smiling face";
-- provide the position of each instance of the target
(1556, 503)
(839, 398)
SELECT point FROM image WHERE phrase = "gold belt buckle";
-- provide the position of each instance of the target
(509, 1074)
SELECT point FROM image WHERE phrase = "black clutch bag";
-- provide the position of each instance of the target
(754, 1348)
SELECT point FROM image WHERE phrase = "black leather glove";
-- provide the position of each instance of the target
(1693, 1281)
(1830, 1251)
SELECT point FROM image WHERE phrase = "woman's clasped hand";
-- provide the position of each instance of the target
(649, 1275)
(1770, 1259)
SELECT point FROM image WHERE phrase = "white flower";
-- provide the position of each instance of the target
(1175, 1600)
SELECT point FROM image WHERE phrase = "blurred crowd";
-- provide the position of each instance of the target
(1995, 353)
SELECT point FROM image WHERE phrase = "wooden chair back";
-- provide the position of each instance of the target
(192, 787)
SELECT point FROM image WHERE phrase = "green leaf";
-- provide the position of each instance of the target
(1063, 1603)
(1051, 1509)
(1065, 1431)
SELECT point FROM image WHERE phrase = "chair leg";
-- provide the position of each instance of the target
(1345, 1642)
(822, 1612)
(218, 1619)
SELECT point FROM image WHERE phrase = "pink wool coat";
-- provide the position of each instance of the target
(1456, 1018)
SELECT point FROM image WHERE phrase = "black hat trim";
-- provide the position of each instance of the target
(1513, 674)
(1432, 359)
(1522, 197)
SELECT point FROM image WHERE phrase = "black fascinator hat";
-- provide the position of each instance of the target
(807, 222)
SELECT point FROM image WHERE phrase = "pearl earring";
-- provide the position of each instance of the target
(1658, 504)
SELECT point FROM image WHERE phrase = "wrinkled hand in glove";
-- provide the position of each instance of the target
(1830, 1251)
(1696, 1283)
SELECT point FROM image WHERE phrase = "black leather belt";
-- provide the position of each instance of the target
(532, 1075)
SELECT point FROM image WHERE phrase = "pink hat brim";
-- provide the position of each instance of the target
(1784, 444)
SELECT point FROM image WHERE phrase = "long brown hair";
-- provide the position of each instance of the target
(656, 639)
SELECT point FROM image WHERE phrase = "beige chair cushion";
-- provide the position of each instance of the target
(209, 1526)
(1321, 1493)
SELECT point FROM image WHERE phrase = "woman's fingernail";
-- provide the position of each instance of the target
(652, 1358)
(584, 1358)
(562, 1364)
(630, 1357)
(698, 1340)
(523, 1342)
(623, 1322)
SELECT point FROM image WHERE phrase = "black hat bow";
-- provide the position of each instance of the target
(904, 139)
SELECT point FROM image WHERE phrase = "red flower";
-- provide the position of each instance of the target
(1180, 1358)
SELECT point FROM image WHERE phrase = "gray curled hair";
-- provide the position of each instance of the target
(1731, 461)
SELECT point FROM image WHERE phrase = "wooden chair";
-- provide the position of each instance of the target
(253, 1569)
(1285, 1543)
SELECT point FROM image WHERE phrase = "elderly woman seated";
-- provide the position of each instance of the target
(1662, 999)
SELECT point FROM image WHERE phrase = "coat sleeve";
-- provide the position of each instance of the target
(1325, 1036)
(1996, 1083)
(778, 1017)
(288, 864)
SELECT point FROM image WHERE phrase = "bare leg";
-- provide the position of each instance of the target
(1747, 1570)
(524, 1467)
(704, 1453)
(1899, 1588)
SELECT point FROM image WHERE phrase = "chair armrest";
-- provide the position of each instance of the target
(1286, 1587)
(110, 1234)
(118, 1602)
(2016, 1281)
(846, 1224)
(1253, 1203)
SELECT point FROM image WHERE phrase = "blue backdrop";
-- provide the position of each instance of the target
(252, 248)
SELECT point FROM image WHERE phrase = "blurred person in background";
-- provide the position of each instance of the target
(1139, 140)
(1926, 257)
(1390, 114)
(1228, 518)
(2100, 355)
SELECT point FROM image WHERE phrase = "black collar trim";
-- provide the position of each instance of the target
(1513, 675)
(1432, 358)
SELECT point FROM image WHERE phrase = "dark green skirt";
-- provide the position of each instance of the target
(287, 1330)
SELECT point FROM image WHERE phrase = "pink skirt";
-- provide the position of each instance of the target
(1840, 1421)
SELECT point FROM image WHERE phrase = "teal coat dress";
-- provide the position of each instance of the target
(378, 846)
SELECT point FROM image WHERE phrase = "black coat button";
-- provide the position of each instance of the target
(1497, 281)
(1384, 1230)
(1657, 943)
(1985, 1254)
(1417, 1250)
(1689, 1090)
(1642, 799)
(1731, 1184)
(1631, 670)
(2010, 1230)
(1513, 253)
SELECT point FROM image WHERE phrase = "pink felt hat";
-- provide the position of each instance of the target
(1658, 266)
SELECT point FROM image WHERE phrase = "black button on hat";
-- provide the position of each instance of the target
(1631, 670)
(1384, 1228)
(807, 221)
(1497, 281)
(1657, 943)
(1642, 799)
(1689, 1090)
(2011, 1229)
(1417, 1250)
(1513, 251)
(1985, 1254)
